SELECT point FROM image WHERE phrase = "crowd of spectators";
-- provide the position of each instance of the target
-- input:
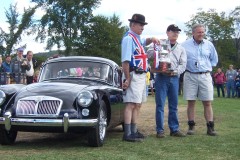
(228, 82)
(21, 69)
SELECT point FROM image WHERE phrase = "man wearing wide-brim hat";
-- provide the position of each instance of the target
(134, 66)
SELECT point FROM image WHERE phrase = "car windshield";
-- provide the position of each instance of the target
(77, 69)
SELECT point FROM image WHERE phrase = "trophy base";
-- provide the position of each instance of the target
(160, 70)
(162, 67)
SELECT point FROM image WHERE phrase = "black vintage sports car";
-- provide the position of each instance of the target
(73, 94)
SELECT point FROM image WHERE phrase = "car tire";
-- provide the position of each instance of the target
(96, 136)
(7, 137)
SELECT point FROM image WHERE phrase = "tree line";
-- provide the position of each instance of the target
(70, 24)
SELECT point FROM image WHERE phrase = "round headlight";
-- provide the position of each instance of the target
(85, 112)
(85, 98)
(2, 97)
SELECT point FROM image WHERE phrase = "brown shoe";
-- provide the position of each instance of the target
(191, 128)
(160, 135)
(177, 134)
(210, 129)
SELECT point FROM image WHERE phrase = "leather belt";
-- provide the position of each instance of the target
(137, 70)
(198, 72)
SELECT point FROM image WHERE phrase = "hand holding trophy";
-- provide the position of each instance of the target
(162, 62)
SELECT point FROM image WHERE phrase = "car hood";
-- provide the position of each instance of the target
(65, 91)
(54, 87)
(11, 88)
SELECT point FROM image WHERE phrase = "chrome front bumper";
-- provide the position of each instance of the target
(8, 121)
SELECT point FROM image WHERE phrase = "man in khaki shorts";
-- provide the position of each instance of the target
(134, 67)
(197, 82)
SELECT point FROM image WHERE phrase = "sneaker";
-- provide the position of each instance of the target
(131, 138)
(177, 134)
(139, 135)
(160, 135)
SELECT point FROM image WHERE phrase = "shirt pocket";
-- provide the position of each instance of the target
(206, 51)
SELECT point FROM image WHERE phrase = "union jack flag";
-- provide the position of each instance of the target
(139, 58)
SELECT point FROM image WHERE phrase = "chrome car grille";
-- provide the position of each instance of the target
(38, 106)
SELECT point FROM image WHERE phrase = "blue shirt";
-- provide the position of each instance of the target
(7, 67)
(128, 47)
(200, 57)
(231, 74)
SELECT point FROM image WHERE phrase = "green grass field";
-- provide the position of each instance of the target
(225, 146)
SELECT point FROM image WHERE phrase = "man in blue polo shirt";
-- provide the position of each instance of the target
(134, 66)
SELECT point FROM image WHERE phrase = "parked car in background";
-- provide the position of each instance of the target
(73, 94)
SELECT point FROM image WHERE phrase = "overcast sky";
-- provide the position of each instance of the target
(158, 15)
